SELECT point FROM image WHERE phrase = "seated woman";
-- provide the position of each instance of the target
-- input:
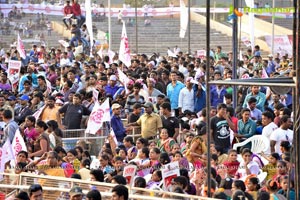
(247, 166)
(42, 143)
(195, 151)
(165, 142)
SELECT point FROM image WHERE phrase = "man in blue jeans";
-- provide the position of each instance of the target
(76, 35)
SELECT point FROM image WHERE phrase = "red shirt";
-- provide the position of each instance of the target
(76, 9)
(67, 10)
(232, 167)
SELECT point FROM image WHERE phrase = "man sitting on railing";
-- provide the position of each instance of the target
(67, 14)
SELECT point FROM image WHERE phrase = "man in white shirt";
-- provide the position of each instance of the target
(268, 126)
(186, 97)
(283, 133)
(65, 61)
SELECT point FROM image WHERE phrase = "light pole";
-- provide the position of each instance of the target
(136, 29)
(189, 26)
(273, 21)
(109, 26)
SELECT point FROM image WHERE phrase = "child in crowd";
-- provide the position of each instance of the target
(232, 163)
(155, 179)
(271, 167)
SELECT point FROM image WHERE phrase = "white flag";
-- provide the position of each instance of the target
(6, 154)
(113, 135)
(49, 87)
(95, 95)
(18, 144)
(123, 79)
(100, 52)
(38, 112)
(21, 48)
(89, 22)
(124, 51)
(171, 54)
(100, 114)
(184, 20)
(111, 56)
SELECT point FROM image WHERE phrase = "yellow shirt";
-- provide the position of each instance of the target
(149, 124)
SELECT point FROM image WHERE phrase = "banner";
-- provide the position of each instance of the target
(89, 22)
(124, 51)
(100, 114)
(282, 44)
(169, 172)
(127, 12)
(14, 68)
(201, 54)
(184, 20)
(21, 48)
(18, 144)
(129, 174)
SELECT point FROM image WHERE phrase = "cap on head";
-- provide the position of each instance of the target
(113, 78)
(148, 105)
(12, 98)
(75, 191)
(24, 97)
(116, 106)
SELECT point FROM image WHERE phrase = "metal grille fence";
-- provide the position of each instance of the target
(58, 187)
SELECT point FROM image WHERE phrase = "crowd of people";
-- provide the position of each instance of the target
(163, 99)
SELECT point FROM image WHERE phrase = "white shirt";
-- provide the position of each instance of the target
(267, 131)
(252, 166)
(281, 135)
(183, 70)
(65, 62)
(186, 100)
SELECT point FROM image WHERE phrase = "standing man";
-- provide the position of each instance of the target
(173, 90)
(73, 113)
(268, 126)
(220, 125)
(169, 122)
(259, 96)
(283, 133)
(186, 97)
(116, 123)
(10, 128)
(24, 110)
(150, 122)
(50, 110)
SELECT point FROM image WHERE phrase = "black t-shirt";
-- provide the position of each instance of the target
(170, 123)
(73, 115)
(133, 118)
(221, 132)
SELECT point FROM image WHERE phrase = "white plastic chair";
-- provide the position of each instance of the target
(259, 143)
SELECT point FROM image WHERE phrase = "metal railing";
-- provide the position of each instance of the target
(57, 187)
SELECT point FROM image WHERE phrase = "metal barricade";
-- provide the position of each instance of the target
(58, 188)
(93, 142)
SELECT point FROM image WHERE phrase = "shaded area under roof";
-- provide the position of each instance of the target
(280, 82)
